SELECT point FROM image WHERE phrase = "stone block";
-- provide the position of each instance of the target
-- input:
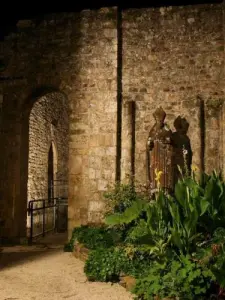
(95, 206)
(92, 173)
(76, 164)
(102, 185)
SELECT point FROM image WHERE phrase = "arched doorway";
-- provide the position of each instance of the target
(47, 160)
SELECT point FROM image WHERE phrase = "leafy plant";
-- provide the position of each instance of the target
(180, 278)
(185, 208)
(214, 195)
(105, 264)
(119, 197)
(109, 264)
(148, 224)
(173, 244)
(212, 254)
(130, 214)
(197, 209)
(93, 237)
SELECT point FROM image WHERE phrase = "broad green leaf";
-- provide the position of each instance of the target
(180, 193)
(129, 215)
(204, 204)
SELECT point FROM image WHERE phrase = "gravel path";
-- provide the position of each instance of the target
(40, 273)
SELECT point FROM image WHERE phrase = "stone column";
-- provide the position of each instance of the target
(222, 140)
(127, 163)
(213, 159)
(13, 200)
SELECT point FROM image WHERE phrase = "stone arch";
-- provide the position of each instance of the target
(46, 130)
(38, 92)
(26, 110)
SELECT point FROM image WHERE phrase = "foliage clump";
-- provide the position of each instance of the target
(93, 237)
(173, 244)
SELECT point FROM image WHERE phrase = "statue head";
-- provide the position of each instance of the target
(181, 125)
(159, 116)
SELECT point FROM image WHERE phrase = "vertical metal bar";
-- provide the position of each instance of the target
(54, 215)
(43, 227)
(31, 222)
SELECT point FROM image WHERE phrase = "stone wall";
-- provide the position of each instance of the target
(93, 119)
(174, 57)
(48, 125)
(75, 54)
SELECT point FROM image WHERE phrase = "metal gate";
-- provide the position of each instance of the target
(48, 215)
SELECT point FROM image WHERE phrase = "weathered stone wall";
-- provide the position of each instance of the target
(48, 125)
(75, 54)
(171, 56)
(174, 57)
(93, 116)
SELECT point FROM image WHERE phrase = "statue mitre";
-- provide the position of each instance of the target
(159, 114)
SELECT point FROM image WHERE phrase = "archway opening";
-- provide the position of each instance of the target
(47, 165)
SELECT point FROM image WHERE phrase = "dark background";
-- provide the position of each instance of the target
(11, 12)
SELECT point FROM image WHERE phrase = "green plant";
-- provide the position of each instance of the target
(171, 244)
(69, 247)
(105, 264)
(109, 264)
(148, 224)
(185, 208)
(197, 209)
(138, 260)
(180, 278)
(121, 196)
(214, 194)
(181, 219)
(212, 254)
(93, 237)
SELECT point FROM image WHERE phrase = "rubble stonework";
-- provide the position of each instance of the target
(48, 126)
(174, 57)
(168, 56)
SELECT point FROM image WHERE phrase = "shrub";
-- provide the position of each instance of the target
(181, 278)
(93, 237)
(105, 264)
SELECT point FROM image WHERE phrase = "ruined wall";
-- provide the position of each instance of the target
(174, 57)
(48, 124)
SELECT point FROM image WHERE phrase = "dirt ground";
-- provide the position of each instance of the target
(43, 271)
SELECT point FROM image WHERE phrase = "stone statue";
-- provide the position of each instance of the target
(182, 153)
(159, 154)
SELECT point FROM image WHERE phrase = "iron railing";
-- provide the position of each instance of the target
(43, 216)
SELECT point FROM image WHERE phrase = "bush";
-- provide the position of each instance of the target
(93, 237)
(172, 244)
(105, 264)
(182, 279)
(121, 196)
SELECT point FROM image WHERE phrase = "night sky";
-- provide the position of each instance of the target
(12, 12)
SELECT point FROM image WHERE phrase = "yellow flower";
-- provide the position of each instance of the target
(194, 168)
(158, 174)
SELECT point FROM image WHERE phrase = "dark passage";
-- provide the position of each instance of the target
(50, 174)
